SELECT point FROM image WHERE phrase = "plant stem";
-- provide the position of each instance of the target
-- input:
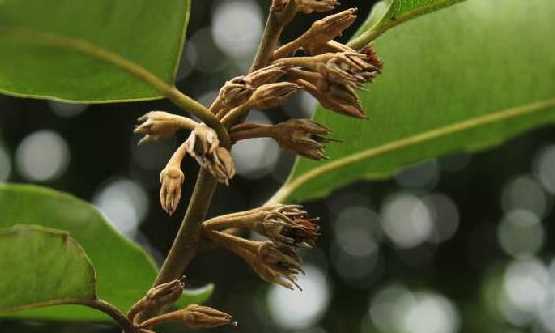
(277, 20)
(186, 242)
(113, 312)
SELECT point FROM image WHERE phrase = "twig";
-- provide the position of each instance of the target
(277, 20)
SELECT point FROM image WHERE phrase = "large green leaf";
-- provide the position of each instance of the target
(460, 79)
(50, 48)
(124, 271)
(386, 14)
(40, 267)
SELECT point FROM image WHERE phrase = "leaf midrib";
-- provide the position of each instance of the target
(293, 184)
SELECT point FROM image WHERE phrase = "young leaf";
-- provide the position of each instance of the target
(56, 49)
(387, 14)
(41, 267)
(462, 79)
(124, 271)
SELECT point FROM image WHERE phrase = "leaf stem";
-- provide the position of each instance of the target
(113, 312)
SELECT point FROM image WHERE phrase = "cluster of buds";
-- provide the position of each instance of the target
(287, 227)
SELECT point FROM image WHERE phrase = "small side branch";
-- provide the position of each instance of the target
(113, 312)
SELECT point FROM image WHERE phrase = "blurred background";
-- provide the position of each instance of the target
(457, 244)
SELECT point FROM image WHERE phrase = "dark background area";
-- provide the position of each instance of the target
(457, 244)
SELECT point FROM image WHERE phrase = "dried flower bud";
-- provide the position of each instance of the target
(156, 125)
(303, 136)
(277, 263)
(271, 95)
(234, 93)
(157, 297)
(171, 179)
(290, 225)
(330, 27)
(320, 33)
(194, 316)
(269, 74)
(336, 97)
(319, 6)
(349, 68)
(203, 144)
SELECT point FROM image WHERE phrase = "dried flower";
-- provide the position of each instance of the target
(194, 316)
(289, 225)
(238, 90)
(156, 125)
(310, 6)
(276, 263)
(162, 295)
(285, 224)
(203, 144)
(303, 136)
(336, 97)
(321, 32)
(271, 95)
(171, 179)
(349, 68)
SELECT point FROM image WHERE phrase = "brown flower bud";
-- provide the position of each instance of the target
(285, 224)
(271, 95)
(171, 179)
(156, 125)
(234, 93)
(269, 74)
(319, 6)
(157, 297)
(290, 225)
(277, 263)
(203, 144)
(321, 32)
(336, 97)
(194, 316)
(303, 136)
(349, 68)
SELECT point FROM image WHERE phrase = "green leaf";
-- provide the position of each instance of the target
(198, 295)
(124, 271)
(53, 48)
(461, 79)
(40, 267)
(387, 14)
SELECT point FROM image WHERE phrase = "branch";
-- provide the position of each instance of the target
(277, 20)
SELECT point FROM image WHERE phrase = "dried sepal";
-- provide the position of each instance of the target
(203, 144)
(318, 6)
(194, 316)
(156, 125)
